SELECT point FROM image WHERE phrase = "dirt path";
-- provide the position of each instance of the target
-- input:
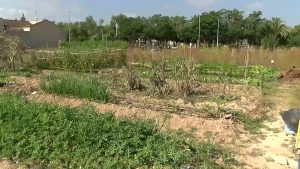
(273, 149)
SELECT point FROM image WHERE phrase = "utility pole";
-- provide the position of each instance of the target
(218, 32)
(36, 16)
(69, 26)
(117, 29)
(199, 34)
(102, 37)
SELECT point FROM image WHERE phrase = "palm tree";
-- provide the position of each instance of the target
(278, 28)
(275, 29)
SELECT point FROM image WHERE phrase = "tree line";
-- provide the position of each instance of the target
(235, 29)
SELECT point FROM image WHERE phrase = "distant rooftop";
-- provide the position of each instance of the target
(35, 22)
(16, 23)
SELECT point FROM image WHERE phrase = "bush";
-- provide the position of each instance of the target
(87, 88)
(46, 136)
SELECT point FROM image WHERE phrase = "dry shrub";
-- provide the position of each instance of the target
(158, 80)
(186, 83)
(10, 50)
(134, 82)
(226, 81)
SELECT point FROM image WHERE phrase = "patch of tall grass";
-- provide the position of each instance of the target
(83, 61)
(48, 136)
(71, 85)
(283, 58)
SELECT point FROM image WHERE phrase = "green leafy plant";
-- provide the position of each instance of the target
(47, 136)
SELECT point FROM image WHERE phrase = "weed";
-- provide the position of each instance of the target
(270, 159)
(159, 80)
(257, 153)
(185, 79)
(134, 82)
(87, 88)
(48, 136)
(253, 125)
(4, 76)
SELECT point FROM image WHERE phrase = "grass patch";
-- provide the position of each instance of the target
(48, 136)
(253, 125)
(4, 76)
(86, 88)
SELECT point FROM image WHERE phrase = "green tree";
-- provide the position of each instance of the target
(276, 31)
(90, 27)
(294, 37)
(253, 26)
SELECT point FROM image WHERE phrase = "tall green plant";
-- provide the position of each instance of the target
(87, 88)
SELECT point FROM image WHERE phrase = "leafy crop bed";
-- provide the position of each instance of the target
(212, 72)
(48, 136)
(86, 88)
(254, 73)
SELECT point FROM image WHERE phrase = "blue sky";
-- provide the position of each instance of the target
(57, 10)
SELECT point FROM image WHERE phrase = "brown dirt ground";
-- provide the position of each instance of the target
(270, 149)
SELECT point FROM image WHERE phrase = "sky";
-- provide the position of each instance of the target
(58, 10)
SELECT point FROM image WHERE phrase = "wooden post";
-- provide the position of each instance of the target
(246, 63)
(262, 78)
(190, 51)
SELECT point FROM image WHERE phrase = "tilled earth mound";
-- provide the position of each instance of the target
(291, 74)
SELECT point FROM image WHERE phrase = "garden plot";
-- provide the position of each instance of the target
(220, 113)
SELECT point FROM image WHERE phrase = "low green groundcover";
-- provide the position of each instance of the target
(49, 136)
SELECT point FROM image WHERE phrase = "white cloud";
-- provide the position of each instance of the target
(46, 9)
(256, 6)
(12, 13)
(130, 14)
(166, 6)
(201, 3)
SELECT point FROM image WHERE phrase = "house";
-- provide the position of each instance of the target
(36, 34)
